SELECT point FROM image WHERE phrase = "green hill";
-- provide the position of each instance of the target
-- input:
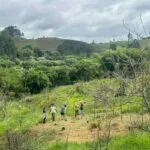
(144, 43)
(53, 44)
(47, 44)
(65, 46)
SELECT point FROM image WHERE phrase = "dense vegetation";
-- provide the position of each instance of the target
(74, 47)
(112, 82)
(31, 72)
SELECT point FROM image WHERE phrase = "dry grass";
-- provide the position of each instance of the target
(79, 130)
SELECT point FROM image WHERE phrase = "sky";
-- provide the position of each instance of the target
(85, 20)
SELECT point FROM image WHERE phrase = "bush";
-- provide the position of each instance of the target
(35, 81)
(10, 81)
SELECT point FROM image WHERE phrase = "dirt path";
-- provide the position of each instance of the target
(80, 131)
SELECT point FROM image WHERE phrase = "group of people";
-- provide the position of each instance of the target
(79, 112)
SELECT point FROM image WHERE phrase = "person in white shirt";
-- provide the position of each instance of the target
(53, 111)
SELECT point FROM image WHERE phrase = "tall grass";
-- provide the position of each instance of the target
(131, 141)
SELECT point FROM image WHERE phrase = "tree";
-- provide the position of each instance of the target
(143, 88)
(134, 44)
(7, 46)
(27, 46)
(130, 38)
(74, 47)
(93, 42)
(113, 46)
(121, 90)
(107, 61)
(25, 53)
(35, 81)
(10, 81)
(62, 77)
(87, 70)
(123, 60)
(38, 52)
(14, 31)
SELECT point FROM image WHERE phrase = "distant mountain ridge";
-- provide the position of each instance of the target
(71, 46)
(46, 43)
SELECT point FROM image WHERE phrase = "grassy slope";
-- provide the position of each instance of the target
(134, 141)
(30, 108)
(26, 114)
(46, 44)
(103, 46)
(49, 44)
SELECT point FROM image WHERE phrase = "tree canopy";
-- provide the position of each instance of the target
(14, 31)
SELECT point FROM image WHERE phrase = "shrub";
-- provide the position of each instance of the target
(35, 81)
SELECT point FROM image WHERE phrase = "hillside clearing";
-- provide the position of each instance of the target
(80, 131)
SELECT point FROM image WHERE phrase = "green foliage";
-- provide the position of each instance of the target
(25, 53)
(62, 76)
(38, 52)
(23, 115)
(87, 70)
(35, 81)
(71, 69)
(27, 46)
(10, 80)
(6, 62)
(113, 46)
(7, 46)
(107, 61)
(18, 117)
(74, 47)
(123, 60)
(133, 141)
(134, 44)
(72, 146)
(37, 67)
(13, 31)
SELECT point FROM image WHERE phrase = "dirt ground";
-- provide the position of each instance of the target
(75, 130)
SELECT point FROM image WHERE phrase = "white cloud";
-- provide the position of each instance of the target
(85, 20)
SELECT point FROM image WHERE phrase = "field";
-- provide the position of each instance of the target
(101, 128)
